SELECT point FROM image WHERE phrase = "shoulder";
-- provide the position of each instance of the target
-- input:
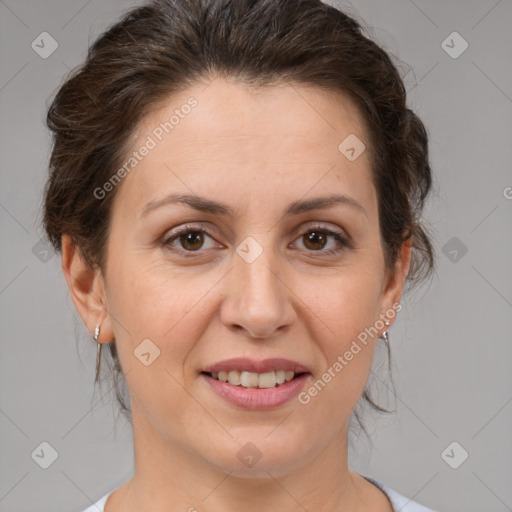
(99, 505)
(399, 502)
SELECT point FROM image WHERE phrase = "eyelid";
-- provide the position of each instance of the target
(342, 238)
(192, 226)
(311, 226)
(185, 228)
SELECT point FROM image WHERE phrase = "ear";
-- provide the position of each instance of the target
(394, 286)
(87, 290)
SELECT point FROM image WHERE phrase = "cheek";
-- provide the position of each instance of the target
(344, 308)
(168, 309)
(158, 304)
(345, 304)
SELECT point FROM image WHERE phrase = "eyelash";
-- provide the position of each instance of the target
(342, 241)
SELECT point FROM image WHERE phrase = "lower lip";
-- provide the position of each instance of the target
(256, 398)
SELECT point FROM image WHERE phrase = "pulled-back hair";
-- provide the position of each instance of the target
(166, 46)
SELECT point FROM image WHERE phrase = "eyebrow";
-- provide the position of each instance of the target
(205, 205)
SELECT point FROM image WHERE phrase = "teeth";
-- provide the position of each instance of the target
(234, 378)
(254, 380)
(289, 375)
(267, 380)
(249, 379)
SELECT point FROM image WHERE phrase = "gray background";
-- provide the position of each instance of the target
(451, 344)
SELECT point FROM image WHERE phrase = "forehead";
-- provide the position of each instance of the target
(231, 139)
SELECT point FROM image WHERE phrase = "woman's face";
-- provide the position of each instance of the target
(261, 276)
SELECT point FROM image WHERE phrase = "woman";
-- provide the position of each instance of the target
(236, 189)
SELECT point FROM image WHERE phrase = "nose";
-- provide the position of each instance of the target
(258, 300)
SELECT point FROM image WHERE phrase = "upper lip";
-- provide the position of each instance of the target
(243, 364)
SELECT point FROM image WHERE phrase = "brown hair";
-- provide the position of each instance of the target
(167, 45)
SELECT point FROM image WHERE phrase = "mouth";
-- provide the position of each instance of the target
(256, 384)
(246, 379)
(257, 391)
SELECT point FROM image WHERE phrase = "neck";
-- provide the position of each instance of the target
(168, 476)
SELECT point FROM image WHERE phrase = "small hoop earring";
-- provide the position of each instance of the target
(385, 336)
(98, 352)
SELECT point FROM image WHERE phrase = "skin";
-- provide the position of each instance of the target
(255, 150)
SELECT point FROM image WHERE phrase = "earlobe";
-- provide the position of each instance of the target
(86, 289)
(395, 286)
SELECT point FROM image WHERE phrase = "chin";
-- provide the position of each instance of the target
(256, 453)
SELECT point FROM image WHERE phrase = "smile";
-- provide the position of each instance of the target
(254, 380)
(257, 398)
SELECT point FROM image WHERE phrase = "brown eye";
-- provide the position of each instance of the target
(322, 240)
(192, 240)
(189, 240)
(315, 240)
